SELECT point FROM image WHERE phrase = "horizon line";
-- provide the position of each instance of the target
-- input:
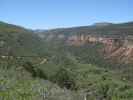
(61, 27)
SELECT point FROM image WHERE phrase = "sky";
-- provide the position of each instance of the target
(48, 14)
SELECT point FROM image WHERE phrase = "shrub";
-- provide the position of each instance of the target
(64, 78)
(35, 72)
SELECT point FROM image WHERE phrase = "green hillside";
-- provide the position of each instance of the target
(18, 41)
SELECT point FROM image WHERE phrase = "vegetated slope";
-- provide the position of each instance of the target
(16, 40)
(21, 53)
(80, 71)
(18, 84)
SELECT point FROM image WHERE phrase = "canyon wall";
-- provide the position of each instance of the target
(117, 49)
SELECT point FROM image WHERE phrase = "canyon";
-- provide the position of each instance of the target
(117, 39)
(115, 47)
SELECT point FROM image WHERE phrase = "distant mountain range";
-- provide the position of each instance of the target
(104, 28)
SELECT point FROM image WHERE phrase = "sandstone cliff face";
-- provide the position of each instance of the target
(82, 39)
(122, 52)
(114, 49)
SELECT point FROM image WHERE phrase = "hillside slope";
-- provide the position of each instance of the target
(15, 40)
(49, 68)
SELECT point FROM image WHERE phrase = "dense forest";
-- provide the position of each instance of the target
(39, 64)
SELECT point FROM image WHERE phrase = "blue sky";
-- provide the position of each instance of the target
(47, 14)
